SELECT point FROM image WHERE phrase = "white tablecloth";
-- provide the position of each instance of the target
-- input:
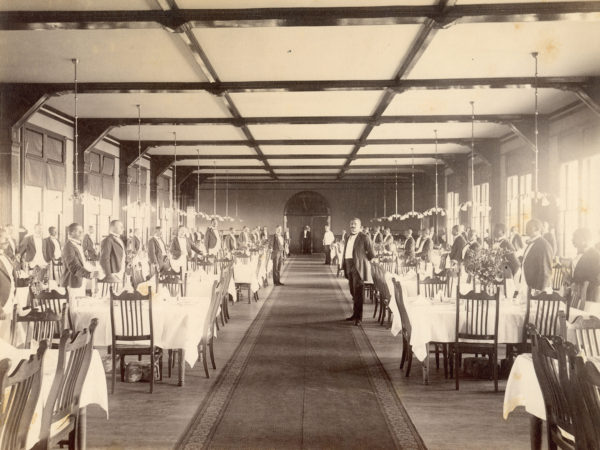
(178, 324)
(247, 273)
(94, 389)
(523, 389)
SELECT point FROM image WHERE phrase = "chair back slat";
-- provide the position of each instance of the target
(430, 286)
(74, 357)
(481, 312)
(39, 326)
(174, 281)
(586, 395)
(549, 368)
(209, 323)
(20, 393)
(135, 312)
(542, 312)
(405, 320)
(586, 331)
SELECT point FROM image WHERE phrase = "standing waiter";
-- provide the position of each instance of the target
(358, 252)
(277, 256)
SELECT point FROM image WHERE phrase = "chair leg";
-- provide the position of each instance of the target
(445, 354)
(122, 368)
(217, 323)
(169, 363)
(457, 358)
(204, 361)
(152, 371)
(114, 372)
(437, 356)
(212, 355)
(403, 357)
(376, 305)
(410, 358)
(495, 370)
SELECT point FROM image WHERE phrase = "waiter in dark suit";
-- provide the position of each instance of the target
(157, 251)
(88, 245)
(409, 245)
(358, 252)
(212, 239)
(426, 246)
(306, 240)
(112, 253)
(229, 241)
(537, 259)
(182, 245)
(11, 248)
(74, 260)
(7, 276)
(509, 251)
(586, 265)
(31, 249)
(277, 256)
(52, 249)
(457, 246)
(244, 237)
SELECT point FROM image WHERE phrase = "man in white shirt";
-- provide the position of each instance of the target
(157, 251)
(328, 239)
(112, 253)
(212, 238)
(7, 277)
(52, 246)
(32, 249)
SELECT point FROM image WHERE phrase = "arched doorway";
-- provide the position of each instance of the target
(306, 208)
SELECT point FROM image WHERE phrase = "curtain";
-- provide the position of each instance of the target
(33, 143)
(54, 149)
(56, 177)
(34, 172)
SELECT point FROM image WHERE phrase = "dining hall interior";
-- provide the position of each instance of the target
(301, 224)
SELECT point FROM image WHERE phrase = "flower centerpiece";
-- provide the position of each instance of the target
(486, 265)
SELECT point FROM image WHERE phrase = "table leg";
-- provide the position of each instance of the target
(535, 432)
(82, 429)
(426, 366)
(181, 367)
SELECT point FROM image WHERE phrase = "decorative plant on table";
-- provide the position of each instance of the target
(486, 265)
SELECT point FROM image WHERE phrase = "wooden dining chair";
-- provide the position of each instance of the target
(560, 274)
(56, 268)
(479, 333)
(545, 355)
(174, 281)
(20, 393)
(406, 267)
(57, 303)
(208, 331)
(61, 412)
(542, 312)
(584, 398)
(577, 296)
(585, 333)
(106, 285)
(39, 326)
(132, 332)
(430, 286)
(407, 353)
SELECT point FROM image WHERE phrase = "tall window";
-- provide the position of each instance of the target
(481, 208)
(165, 215)
(100, 185)
(518, 201)
(579, 187)
(44, 179)
(452, 213)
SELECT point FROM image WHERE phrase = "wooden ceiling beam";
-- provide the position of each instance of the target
(175, 19)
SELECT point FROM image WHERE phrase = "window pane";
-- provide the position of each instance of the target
(34, 172)
(93, 159)
(56, 177)
(33, 142)
(32, 197)
(108, 166)
(54, 149)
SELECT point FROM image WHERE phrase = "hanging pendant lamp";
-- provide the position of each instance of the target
(412, 213)
(470, 203)
(227, 217)
(537, 195)
(395, 215)
(436, 210)
(78, 195)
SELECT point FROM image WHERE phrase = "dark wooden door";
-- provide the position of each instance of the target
(296, 226)
(318, 230)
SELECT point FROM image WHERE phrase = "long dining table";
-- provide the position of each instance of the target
(434, 320)
(94, 391)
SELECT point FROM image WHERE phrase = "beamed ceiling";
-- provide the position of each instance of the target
(304, 89)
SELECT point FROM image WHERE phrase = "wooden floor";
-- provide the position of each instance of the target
(446, 419)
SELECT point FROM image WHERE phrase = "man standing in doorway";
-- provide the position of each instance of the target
(306, 240)
(277, 256)
(328, 239)
(358, 252)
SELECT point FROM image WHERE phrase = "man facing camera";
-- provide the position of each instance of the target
(358, 252)
(73, 257)
(537, 258)
(112, 253)
(31, 249)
